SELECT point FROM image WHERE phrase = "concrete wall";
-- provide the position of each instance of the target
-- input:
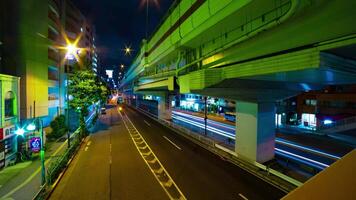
(335, 182)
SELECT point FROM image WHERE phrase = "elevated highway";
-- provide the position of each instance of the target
(254, 52)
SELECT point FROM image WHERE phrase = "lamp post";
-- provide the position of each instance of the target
(70, 55)
(31, 127)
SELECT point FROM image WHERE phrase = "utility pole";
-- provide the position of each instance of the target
(147, 19)
(42, 155)
(67, 95)
(205, 114)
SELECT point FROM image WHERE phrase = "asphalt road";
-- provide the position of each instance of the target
(109, 166)
(315, 157)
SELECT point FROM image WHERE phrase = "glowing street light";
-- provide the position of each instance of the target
(31, 127)
(122, 66)
(127, 50)
(72, 52)
(20, 131)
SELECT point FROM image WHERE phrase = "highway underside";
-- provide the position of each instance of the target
(131, 156)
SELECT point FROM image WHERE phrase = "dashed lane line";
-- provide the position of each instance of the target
(151, 160)
(243, 197)
(148, 124)
(176, 146)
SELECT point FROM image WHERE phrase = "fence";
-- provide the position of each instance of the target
(58, 166)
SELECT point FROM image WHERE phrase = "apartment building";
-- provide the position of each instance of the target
(31, 33)
(9, 118)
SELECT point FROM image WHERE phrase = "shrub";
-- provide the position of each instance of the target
(58, 126)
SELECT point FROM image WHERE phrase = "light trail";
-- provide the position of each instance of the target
(319, 165)
(302, 159)
(212, 129)
(230, 127)
(287, 143)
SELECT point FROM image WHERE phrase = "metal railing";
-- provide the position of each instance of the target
(339, 123)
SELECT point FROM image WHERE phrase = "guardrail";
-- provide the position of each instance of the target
(339, 123)
(275, 178)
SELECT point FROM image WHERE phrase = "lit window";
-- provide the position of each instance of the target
(9, 104)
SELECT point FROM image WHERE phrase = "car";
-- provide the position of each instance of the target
(103, 111)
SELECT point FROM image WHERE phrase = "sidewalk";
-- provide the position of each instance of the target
(23, 180)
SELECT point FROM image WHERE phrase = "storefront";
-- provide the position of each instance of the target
(9, 88)
(8, 140)
(308, 120)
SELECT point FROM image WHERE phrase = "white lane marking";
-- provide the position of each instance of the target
(89, 143)
(172, 143)
(173, 188)
(147, 123)
(86, 149)
(242, 196)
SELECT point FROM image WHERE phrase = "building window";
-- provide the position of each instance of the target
(310, 102)
(9, 104)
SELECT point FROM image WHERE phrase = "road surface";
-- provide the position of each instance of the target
(112, 165)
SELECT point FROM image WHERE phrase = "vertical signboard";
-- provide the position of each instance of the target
(2, 154)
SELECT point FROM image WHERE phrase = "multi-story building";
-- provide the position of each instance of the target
(71, 24)
(31, 32)
(9, 112)
(316, 108)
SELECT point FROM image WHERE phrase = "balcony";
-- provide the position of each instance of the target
(53, 55)
(54, 4)
(53, 16)
(53, 83)
(54, 25)
(53, 103)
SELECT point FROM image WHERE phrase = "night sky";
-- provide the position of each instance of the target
(119, 23)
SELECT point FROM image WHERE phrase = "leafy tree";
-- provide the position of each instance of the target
(58, 127)
(85, 88)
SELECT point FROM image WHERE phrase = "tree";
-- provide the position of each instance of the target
(85, 88)
(58, 127)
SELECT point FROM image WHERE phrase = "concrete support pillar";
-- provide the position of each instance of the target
(255, 131)
(164, 107)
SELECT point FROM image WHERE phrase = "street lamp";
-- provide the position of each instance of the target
(127, 50)
(71, 54)
(32, 127)
(20, 131)
(147, 2)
